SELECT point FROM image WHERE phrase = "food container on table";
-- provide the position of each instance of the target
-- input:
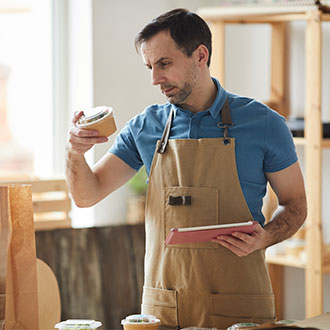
(78, 324)
(100, 119)
(140, 322)
(240, 326)
(286, 322)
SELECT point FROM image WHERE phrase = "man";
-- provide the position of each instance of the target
(220, 150)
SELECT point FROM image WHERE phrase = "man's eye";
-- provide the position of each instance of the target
(164, 64)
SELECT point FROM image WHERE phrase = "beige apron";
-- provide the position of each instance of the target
(201, 284)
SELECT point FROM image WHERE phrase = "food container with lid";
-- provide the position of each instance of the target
(286, 322)
(100, 119)
(140, 321)
(78, 324)
(239, 326)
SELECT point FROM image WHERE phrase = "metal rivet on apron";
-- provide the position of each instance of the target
(221, 125)
(226, 141)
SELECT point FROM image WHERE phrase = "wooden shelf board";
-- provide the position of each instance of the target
(285, 260)
(257, 15)
(299, 141)
(326, 269)
(326, 143)
(7, 10)
(51, 224)
(292, 261)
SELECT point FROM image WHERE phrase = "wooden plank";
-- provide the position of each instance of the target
(298, 141)
(313, 134)
(50, 195)
(52, 224)
(217, 67)
(49, 185)
(325, 17)
(40, 185)
(252, 12)
(7, 10)
(270, 203)
(99, 270)
(241, 17)
(52, 205)
(286, 260)
(326, 143)
(276, 273)
(279, 85)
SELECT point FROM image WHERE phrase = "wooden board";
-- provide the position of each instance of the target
(49, 302)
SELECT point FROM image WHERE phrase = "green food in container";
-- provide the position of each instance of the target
(78, 324)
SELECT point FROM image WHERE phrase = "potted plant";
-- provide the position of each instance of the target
(136, 201)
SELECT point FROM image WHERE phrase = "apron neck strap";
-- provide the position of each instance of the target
(166, 133)
(225, 123)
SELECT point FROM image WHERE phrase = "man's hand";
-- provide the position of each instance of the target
(243, 244)
(81, 140)
(288, 185)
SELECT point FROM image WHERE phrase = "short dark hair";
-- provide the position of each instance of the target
(187, 29)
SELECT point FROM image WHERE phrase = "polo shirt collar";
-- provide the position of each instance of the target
(219, 100)
(217, 104)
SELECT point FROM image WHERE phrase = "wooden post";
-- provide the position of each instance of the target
(217, 67)
(270, 203)
(313, 133)
(278, 95)
(276, 273)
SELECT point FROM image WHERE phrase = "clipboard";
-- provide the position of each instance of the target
(207, 233)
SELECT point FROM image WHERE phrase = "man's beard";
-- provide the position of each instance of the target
(181, 95)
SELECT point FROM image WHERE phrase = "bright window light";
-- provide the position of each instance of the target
(26, 91)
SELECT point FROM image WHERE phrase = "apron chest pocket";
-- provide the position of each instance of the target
(227, 309)
(162, 304)
(190, 207)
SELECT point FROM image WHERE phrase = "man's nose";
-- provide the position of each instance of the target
(157, 77)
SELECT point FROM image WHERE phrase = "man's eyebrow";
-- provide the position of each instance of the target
(161, 59)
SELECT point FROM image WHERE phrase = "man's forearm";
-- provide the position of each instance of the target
(286, 222)
(83, 184)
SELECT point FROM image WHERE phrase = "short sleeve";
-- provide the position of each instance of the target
(280, 151)
(125, 148)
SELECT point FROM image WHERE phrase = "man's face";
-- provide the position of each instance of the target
(174, 72)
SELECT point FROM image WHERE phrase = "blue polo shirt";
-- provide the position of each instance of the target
(263, 140)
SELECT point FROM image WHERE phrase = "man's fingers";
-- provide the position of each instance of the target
(84, 132)
(236, 250)
(242, 236)
(87, 140)
(77, 116)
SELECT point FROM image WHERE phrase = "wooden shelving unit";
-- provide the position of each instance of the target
(317, 254)
(50, 199)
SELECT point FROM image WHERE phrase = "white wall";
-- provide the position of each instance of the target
(120, 80)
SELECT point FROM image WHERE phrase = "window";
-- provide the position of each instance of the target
(26, 88)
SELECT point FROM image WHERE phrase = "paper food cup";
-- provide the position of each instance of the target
(140, 322)
(78, 324)
(100, 119)
(241, 326)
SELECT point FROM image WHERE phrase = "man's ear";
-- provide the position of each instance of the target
(202, 54)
